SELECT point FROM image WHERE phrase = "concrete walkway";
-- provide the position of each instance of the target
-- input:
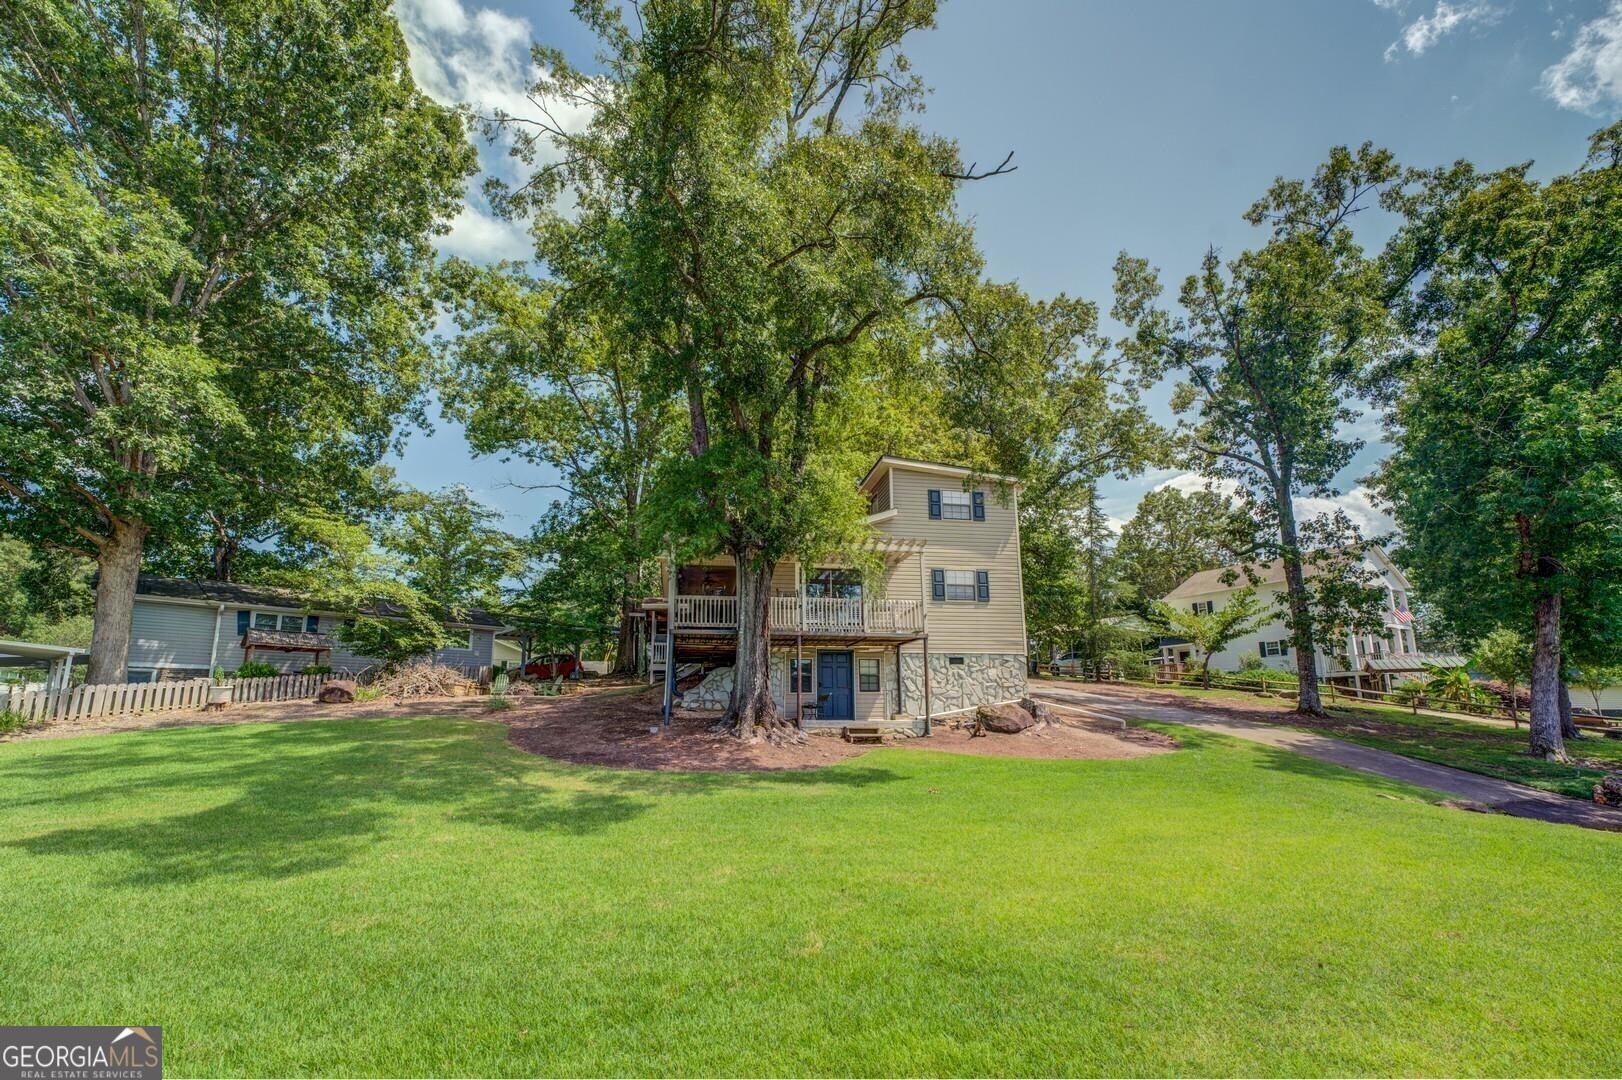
(1501, 795)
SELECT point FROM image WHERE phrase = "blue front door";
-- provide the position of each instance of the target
(835, 699)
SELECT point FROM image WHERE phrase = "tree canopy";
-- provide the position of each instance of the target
(1505, 410)
(215, 225)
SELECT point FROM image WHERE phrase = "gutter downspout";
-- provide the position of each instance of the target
(214, 648)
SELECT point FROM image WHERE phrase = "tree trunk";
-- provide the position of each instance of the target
(752, 706)
(1545, 724)
(1205, 672)
(224, 557)
(1295, 582)
(627, 643)
(118, 565)
(1568, 724)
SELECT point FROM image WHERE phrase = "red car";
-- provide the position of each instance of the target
(550, 667)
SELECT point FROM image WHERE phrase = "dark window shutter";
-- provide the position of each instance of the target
(312, 623)
(934, 502)
(937, 581)
(1284, 647)
(979, 506)
(242, 621)
(982, 585)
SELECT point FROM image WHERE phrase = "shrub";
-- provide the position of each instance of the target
(11, 722)
(1409, 693)
(1251, 661)
(257, 669)
(1130, 663)
(316, 669)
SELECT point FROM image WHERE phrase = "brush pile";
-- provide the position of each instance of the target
(425, 680)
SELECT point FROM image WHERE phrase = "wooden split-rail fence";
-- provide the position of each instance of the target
(128, 699)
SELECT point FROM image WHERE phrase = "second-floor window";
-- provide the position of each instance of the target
(957, 505)
(1203, 607)
(960, 585)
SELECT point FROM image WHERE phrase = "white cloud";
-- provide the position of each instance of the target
(479, 58)
(1358, 503)
(482, 237)
(1589, 77)
(1188, 482)
(1418, 36)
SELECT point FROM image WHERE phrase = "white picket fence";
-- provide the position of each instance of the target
(128, 699)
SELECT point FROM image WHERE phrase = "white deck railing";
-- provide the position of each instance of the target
(706, 612)
(806, 614)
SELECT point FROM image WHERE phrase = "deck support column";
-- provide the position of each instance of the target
(900, 691)
(799, 704)
(926, 684)
(670, 673)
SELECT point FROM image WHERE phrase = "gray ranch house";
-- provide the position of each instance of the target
(184, 629)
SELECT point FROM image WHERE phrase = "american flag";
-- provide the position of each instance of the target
(1402, 616)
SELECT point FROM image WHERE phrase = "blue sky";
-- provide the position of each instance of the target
(1146, 126)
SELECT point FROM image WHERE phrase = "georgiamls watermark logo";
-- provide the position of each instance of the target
(81, 1053)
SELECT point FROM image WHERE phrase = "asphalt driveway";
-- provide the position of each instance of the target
(1120, 704)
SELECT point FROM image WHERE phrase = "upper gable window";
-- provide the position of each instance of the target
(957, 505)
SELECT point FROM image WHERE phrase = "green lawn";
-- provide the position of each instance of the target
(412, 896)
(1490, 749)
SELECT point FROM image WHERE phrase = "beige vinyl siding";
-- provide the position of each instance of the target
(882, 499)
(867, 706)
(785, 579)
(992, 545)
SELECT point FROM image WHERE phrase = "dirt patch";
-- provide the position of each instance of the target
(1069, 739)
(618, 730)
(621, 729)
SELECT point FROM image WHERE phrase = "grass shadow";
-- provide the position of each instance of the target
(276, 800)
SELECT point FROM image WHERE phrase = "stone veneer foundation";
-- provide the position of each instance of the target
(982, 678)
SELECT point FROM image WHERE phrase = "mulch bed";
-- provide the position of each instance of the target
(622, 730)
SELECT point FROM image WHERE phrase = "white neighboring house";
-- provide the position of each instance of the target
(1375, 661)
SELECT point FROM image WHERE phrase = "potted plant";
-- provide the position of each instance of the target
(219, 694)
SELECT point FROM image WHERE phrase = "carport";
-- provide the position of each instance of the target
(58, 660)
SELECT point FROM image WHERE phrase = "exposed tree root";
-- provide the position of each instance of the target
(771, 729)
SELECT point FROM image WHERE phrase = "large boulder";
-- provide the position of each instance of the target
(336, 692)
(1004, 719)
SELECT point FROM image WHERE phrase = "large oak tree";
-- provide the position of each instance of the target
(781, 239)
(1506, 411)
(1270, 349)
(215, 225)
